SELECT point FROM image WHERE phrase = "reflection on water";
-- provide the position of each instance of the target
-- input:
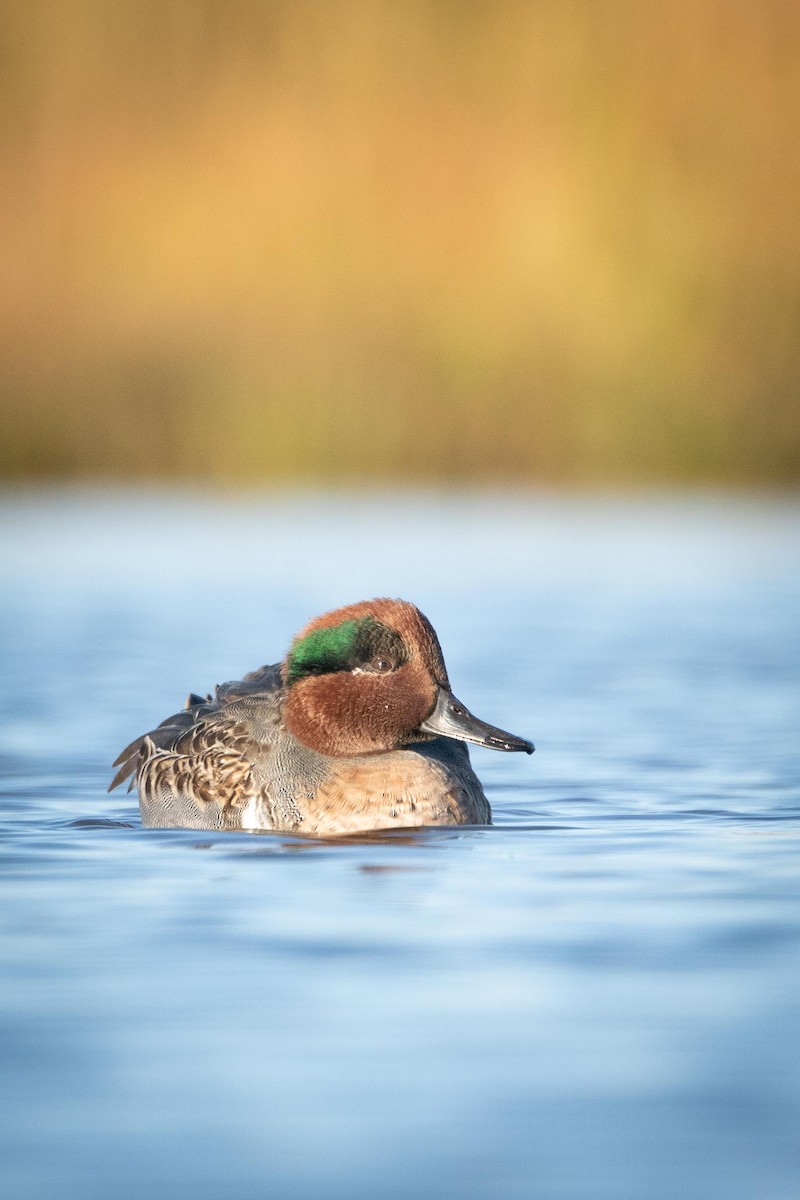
(598, 997)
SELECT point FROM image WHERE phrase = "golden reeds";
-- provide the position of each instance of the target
(253, 241)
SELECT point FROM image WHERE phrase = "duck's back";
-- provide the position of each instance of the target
(205, 766)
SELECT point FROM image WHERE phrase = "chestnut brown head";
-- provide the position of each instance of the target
(370, 678)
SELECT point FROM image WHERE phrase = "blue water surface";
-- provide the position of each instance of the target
(599, 997)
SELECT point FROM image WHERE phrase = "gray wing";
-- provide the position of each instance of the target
(209, 752)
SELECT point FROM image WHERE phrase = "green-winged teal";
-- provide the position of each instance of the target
(353, 731)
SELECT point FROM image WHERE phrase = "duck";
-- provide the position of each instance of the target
(356, 730)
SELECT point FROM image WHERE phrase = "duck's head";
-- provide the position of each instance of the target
(370, 678)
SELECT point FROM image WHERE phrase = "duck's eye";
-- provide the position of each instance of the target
(380, 665)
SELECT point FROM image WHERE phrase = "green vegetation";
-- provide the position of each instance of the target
(255, 241)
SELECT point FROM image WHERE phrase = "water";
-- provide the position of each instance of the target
(598, 997)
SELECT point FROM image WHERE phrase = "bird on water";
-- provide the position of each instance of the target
(357, 729)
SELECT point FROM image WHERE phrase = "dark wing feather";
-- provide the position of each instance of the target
(171, 734)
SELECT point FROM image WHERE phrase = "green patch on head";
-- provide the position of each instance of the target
(343, 647)
(324, 650)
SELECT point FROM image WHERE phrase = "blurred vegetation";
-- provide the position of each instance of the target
(265, 241)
